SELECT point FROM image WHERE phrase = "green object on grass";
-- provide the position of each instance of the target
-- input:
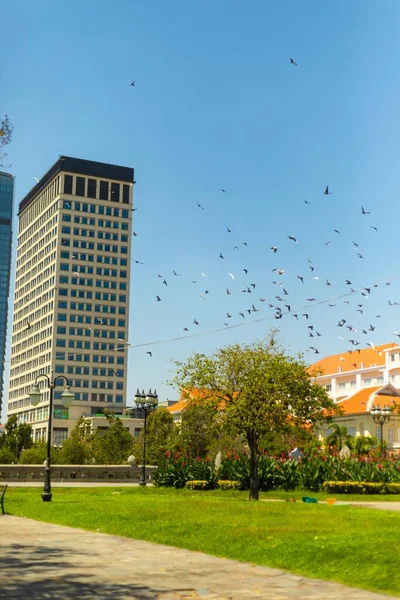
(309, 500)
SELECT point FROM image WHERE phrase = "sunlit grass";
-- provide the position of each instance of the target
(355, 546)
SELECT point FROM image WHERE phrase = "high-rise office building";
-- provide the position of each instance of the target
(71, 305)
(6, 212)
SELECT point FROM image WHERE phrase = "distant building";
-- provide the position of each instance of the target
(71, 304)
(366, 378)
(6, 214)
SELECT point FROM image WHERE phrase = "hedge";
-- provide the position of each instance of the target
(198, 484)
(361, 487)
(225, 484)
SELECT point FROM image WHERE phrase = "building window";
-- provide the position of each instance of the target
(59, 435)
(115, 192)
(328, 387)
(125, 194)
(362, 429)
(379, 380)
(367, 381)
(80, 186)
(342, 386)
(390, 434)
(91, 190)
(67, 184)
(351, 431)
(60, 412)
(103, 190)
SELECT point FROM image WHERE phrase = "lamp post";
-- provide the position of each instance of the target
(35, 397)
(381, 416)
(146, 403)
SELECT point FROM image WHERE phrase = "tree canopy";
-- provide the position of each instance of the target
(261, 389)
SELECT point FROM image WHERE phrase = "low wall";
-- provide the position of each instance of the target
(111, 473)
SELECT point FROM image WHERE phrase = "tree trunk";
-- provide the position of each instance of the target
(254, 480)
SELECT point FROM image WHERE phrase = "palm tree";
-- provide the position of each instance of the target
(339, 437)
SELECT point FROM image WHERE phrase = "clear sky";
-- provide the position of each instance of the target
(217, 104)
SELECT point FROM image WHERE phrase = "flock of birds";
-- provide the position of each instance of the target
(281, 305)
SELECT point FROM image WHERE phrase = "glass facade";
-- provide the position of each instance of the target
(6, 211)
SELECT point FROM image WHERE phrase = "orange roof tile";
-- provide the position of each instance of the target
(363, 400)
(178, 406)
(368, 356)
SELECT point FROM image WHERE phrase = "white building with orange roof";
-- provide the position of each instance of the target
(359, 381)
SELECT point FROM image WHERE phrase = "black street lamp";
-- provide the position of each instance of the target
(146, 403)
(381, 416)
(35, 397)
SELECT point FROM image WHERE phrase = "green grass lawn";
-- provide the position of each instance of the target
(355, 546)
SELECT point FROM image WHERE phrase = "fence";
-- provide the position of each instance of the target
(103, 473)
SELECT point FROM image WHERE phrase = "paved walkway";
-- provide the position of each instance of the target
(49, 562)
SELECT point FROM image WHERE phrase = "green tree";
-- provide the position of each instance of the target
(160, 431)
(262, 389)
(363, 444)
(339, 437)
(7, 457)
(38, 454)
(6, 131)
(200, 426)
(17, 436)
(77, 448)
(114, 445)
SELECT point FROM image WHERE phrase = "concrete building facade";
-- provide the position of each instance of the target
(359, 381)
(71, 302)
(6, 215)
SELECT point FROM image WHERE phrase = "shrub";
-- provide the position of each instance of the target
(225, 484)
(353, 487)
(7, 457)
(197, 484)
(392, 488)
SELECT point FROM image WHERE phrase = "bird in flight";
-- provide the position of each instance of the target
(274, 249)
(291, 237)
(36, 179)
(165, 282)
(185, 329)
(337, 231)
(279, 271)
(375, 228)
(220, 255)
(228, 230)
(293, 62)
(133, 84)
(327, 192)
(137, 261)
(245, 271)
(364, 212)
(149, 353)
(305, 201)
(195, 322)
(232, 276)
(200, 206)
(158, 298)
(176, 274)
(301, 278)
(222, 190)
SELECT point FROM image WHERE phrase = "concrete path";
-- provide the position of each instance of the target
(49, 562)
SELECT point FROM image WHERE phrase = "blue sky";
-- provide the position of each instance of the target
(218, 105)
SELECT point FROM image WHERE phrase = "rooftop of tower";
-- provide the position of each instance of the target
(81, 167)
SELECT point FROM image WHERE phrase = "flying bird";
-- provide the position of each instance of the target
(36, 179)
(364, 212)
(305, 201)
(133, 84)
(165, 282)
(149, 353)
(274, 249)
(293, 62)
(220, 255)
(195, 322)
(232, 276)
(138, 262)
(375, 228)
(222, 190)
(301, 278)
(228, 230)
(158, 299)
(327, 192)
(176, 274)
(291, 237)
(199, 205)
